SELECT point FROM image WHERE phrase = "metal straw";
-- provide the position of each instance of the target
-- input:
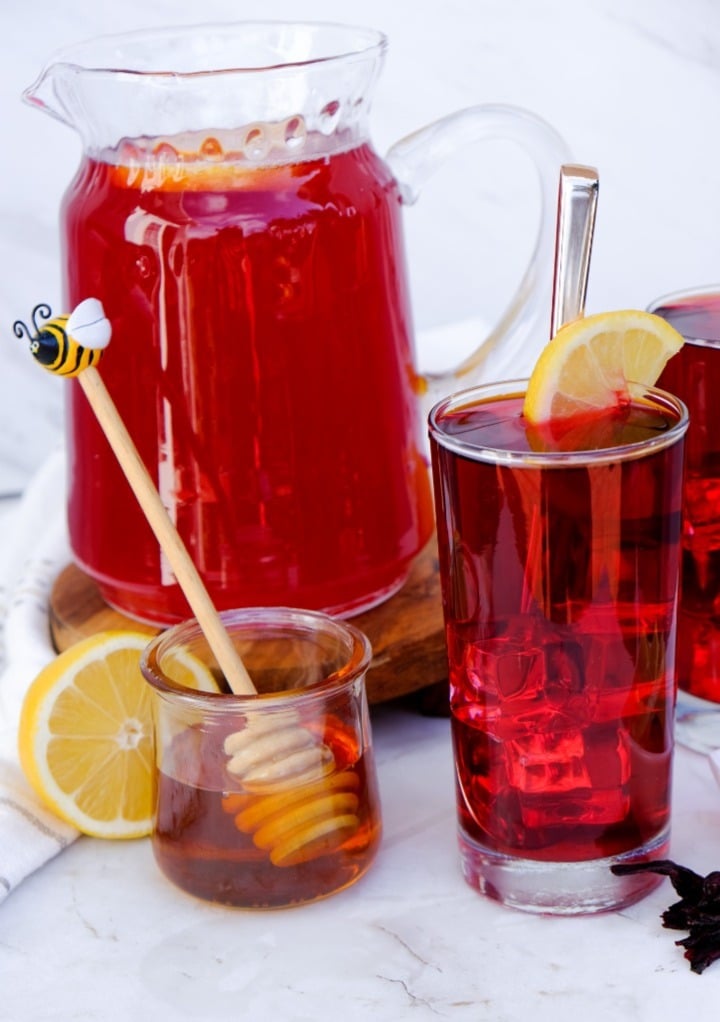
(577, 202)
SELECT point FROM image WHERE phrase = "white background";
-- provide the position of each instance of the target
(633, 86)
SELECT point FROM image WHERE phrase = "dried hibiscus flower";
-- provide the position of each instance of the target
(698, 910)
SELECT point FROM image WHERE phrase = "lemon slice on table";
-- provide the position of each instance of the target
(85, 735)
(597, 362)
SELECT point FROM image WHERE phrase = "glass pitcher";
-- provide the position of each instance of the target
(246, 243)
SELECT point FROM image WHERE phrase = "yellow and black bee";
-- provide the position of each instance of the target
(66, 345)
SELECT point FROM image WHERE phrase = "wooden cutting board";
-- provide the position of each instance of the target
(406, 631)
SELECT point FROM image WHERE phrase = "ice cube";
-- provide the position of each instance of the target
(548, 762)
(571, 776)
(505, 667)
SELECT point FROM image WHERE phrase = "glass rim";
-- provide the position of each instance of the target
(703, 291)
(361, 42)
(249, 619)
(551, 459)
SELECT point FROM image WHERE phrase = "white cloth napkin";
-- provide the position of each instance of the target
(33, 549)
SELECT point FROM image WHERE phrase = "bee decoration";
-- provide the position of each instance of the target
(66, 345)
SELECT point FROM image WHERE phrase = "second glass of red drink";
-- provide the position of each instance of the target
(694, 375)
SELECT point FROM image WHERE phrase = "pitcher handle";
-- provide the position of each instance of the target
(416, 157)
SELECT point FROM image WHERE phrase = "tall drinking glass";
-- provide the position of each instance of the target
(559, 558)
(694, 375)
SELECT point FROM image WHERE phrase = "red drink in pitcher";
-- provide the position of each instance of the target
(245, 241)
(262, 362)
(559, 557)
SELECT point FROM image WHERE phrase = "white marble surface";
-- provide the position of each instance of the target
(634, 87)
(98, 934)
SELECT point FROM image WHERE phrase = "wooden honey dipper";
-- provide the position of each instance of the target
(303, 810)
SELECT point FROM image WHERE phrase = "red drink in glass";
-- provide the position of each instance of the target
(559, 554)
(262, 361)
(694, 375)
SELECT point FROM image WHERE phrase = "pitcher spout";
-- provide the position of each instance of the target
(49, 93)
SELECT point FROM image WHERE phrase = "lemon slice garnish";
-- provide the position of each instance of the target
(85, 735)
(598, 362)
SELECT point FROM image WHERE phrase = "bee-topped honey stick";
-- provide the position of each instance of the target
(57, 346)
(72, 346)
